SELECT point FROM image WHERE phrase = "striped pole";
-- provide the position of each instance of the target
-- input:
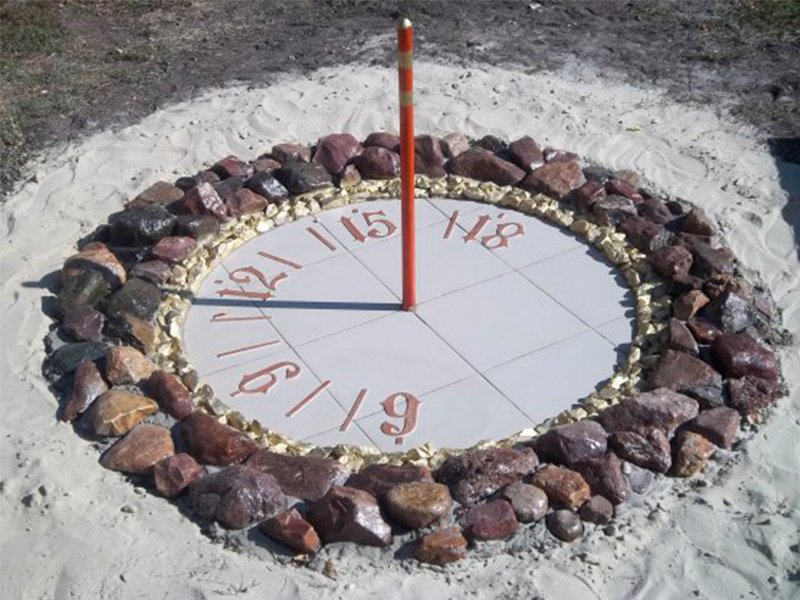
(405, 46)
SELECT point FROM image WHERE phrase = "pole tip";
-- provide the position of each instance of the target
(405, 24)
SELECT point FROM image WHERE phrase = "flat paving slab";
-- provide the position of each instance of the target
(301, 328)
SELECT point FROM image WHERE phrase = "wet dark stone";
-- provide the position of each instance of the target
(555, 179)
(67, 358)
(87, 386)
(175, 473)
(428, 157)
(597, 510)
(204, 200)
(648, 449)
(186, 182)
(612, 210)
(494, 520)
(740, 355)
(605, 477)
(479, 164)
(526, 153)
(492, 143)
(349, 515)
(683, 282)
(306, 477)
(141, 226)
(732, 313)
(709, 261)
(231, 166)
(85, 324)
(565, 525)
(237, 497)
(301, 177)
(138, 297)
(156, 272)
(718, 425)
(267, 185)
(382, 139)
(589, 193)
(571, 443)
(703, 331)
(599, 174)
(196, 226)
(662, 409)
(378, 480)
(477, 474)
(376, 162)
(671, 260)
(212, 443)
(680, 338)
(130, 256)
(688, 375)
(750, 395)
(227, 188)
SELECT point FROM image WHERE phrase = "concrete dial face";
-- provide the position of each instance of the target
(301, 328)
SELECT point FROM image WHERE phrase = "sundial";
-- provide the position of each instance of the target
(302, 328)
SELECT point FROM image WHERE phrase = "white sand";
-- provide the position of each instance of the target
(728, 540)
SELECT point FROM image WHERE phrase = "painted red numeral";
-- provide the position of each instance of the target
(409, 415)
(499, 239)
(379, 226)
(250, 276)
(291, 370)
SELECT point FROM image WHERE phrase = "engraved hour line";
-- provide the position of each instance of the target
(278, 259)
(354, 410)
(221, 318)
(316, 392)
(322, 239)
(451, 225)
(246, 348)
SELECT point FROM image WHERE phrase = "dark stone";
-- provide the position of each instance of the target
(709, 261)
(130, 256)
(692, 452)
(197, 226)
(683, 282)
(207, 176)
(732, 313)
(718, 425)
(688, 305)
(571, 443)
(300, 177)
(619, 187)
(231, 166)
(67, 358)
(442, 547)
(492, 143)
(563, 487)
(703, 331)
(378, 480)
(381, 139)
(174, 249)
(137, 297)
(698, 222)
(605, 477)
(454, 144)
(133, 331)
(556, 179)
(376, 162)
(671, 260)
(186, 183)
(156, 272)
(418, 504)
(750, 395)
(526, 153)
(740, 355)
(349, 515)
(173, 397)
(227, 188)
(87, 386)
(306, 477)
(662, 409)
(84, 324)
(267, 185)
(141, 226)
(655, 211)
(428, 157)
(291, 152)
(212, 443)
(528, 501)
(95, 256)
(680, 338)
(612, 210)
(175, 473)
(648, 449)
(237, 497)
(335, 150)
(599, 174)
(644, 234)
(477, 474)
(160, 193)
(245, 202)
(484, 166)
(204, 200)
(565, 525)
(291, 529)
(140, 449)
(125, 365)
(688, 375)
(589, 193)
(597, 510)
(494, 520)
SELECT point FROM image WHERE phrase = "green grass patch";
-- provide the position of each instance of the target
(29, 27)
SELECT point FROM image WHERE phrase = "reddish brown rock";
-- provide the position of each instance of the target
(126, 365)
(475, 475)
(671, 260)
(703, 331)
(86, 388)
(494, 520)
(418, 504)
(645, 235)
(265, 165)
(382, 139)
(562, 486)
(428, 157)
(204, 200)
(732, 313)
(565, 525)
(155, 271)
(286, 152)
(485, 166)
(174, 249)
(692, 452)
(571, 443)
(655, 211)
(376, 162)
(173, 397)
(718, 425)
(305, 477)
(95, 257)
(709, 261)
(649, 449)
(335, 150)
(291, 529)
(605, 477)
(84, 324)
(620, 187)
(350, 515)
(597, 510)
(237, 497)
(231, 166)
(212, 443)
(454, 144)
(175, 473)
(680, 338)
(688, 375)
(683, 282)
(687, 305)
(139, 450)
(698, 223)
(378, 480)
(739, 355)
(207, 176)
(116, 412)
(136, 297)
(442, 547)
(300, 177)
(590, 192)
(161, 192)
(528, 501)
(661, 409)
(553, 155)
(555, 179)
(749, 395)
(526, 153)
(245, 202)
(132, 330)
(613, 210)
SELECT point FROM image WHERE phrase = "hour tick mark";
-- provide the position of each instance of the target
(246, 348)
(322, 239)
(316, 392)
(354, 410)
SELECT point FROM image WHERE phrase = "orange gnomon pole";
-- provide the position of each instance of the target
(405, 46)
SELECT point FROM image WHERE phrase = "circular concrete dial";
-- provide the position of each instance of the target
(301, 327)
